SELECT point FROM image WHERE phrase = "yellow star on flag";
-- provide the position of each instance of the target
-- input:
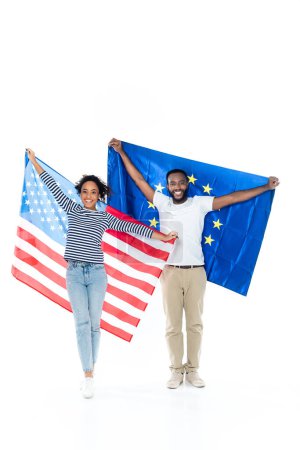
(159, 187)
(207, 189)
(151, 205)
(153, 222)
(217, 224)
(192, 179)
(208, 239)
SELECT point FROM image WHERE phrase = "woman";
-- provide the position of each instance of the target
(86, 276)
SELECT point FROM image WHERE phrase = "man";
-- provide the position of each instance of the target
(183, 279)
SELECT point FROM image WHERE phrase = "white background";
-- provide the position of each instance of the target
(216, 81)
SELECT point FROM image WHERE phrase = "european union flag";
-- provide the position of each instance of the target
(232, 236)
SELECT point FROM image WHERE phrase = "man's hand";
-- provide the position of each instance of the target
(273, 182)
(116, 145)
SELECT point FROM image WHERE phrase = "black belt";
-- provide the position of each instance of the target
(185, 267)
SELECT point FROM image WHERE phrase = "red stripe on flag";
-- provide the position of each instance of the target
(139, 245)
(116, 331)
(127, 259)
(143, 285)
(126, 297)
(39, 287)
(35, 242)
(120, 314)
(44, 270)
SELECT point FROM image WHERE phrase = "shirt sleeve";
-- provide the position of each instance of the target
(160, 200)
(128, 227)
(205, 203)
(62, 199)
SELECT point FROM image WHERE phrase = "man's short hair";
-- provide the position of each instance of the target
(176, 171)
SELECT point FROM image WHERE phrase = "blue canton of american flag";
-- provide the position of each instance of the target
(133, 264)
(231, 238)
(40, 207)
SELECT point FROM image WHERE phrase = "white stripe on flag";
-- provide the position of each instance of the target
(43, 237)
(130, 271)
(32, 272)
(142, 295)
(41, 257)
(124, 306)
(114, 321)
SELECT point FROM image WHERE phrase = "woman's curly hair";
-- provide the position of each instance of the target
(104, 189)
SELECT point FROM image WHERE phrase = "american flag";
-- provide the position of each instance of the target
(133, 264)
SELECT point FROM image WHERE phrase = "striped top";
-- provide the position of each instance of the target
(86, 227)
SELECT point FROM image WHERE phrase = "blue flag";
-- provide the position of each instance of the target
(232, 236)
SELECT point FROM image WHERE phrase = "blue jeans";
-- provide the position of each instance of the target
(86, 285)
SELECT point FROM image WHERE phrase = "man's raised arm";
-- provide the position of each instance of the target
(132, 171)
(244, 195)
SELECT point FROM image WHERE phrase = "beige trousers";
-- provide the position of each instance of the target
(183, 289)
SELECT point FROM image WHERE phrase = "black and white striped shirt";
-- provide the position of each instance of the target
(86, 227)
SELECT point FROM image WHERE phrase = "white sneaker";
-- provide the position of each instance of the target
(175, 381)
(87, 387)
(194, 379)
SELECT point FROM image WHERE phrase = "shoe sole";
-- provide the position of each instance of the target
(202, 385)
(87, 396)
(174, 387)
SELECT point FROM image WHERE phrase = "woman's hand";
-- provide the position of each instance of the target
(170, 236)
(31, 157)
(164, 237)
